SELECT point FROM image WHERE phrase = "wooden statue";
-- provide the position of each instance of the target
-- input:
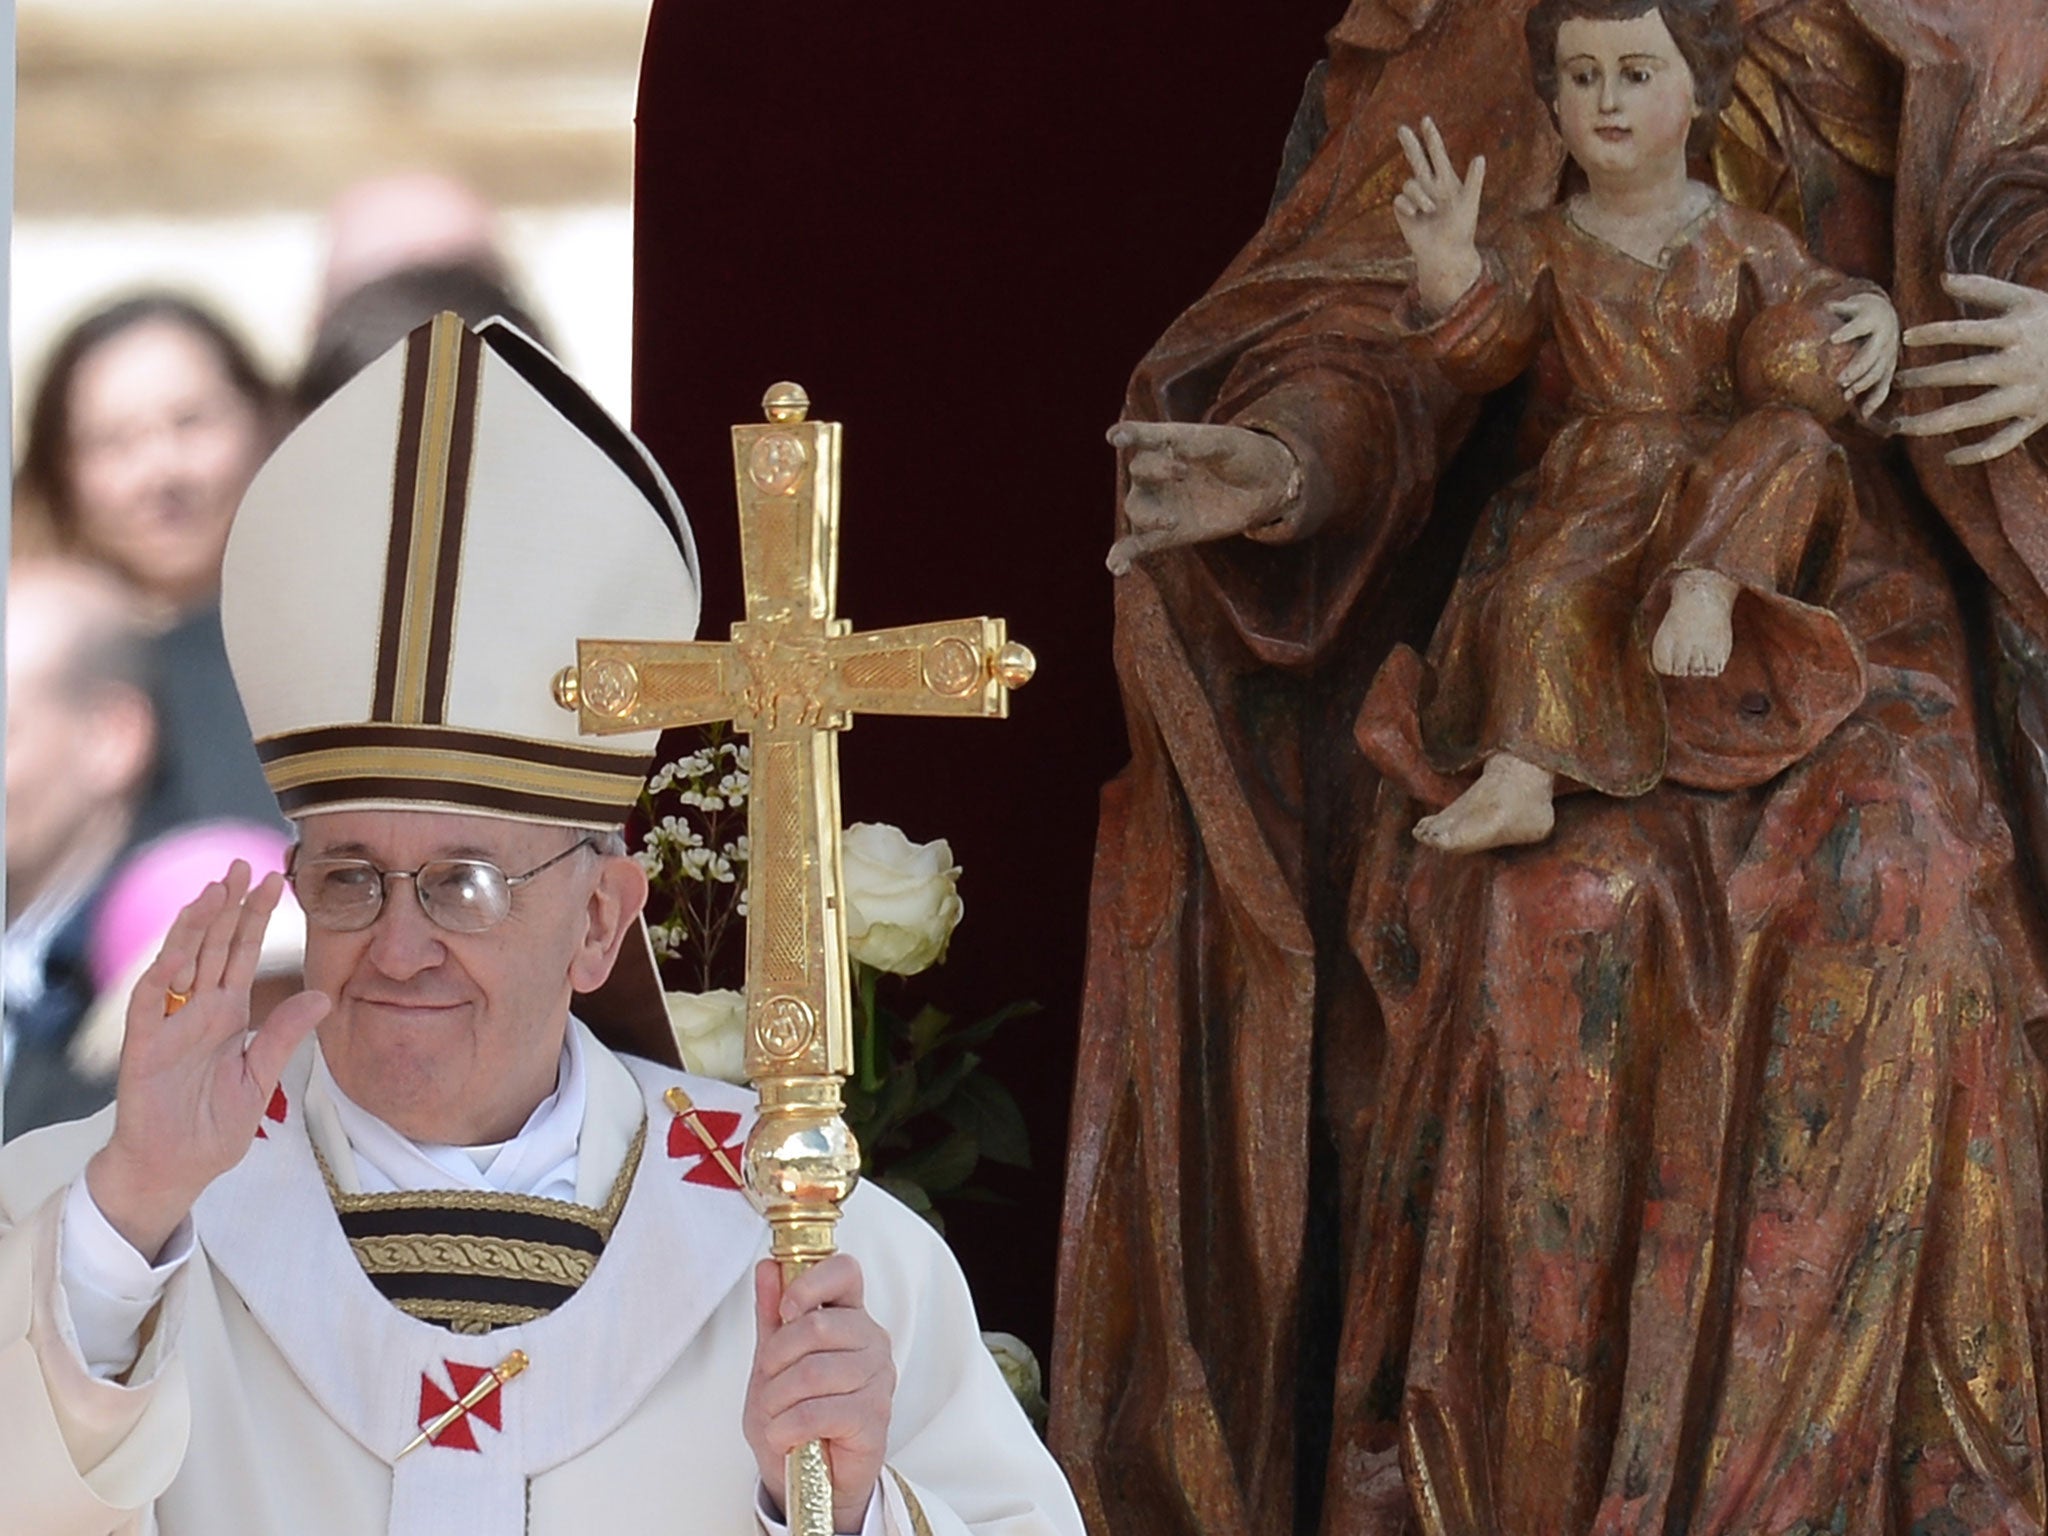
(1679, 1171)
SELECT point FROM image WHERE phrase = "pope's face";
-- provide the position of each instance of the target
(455, 1037)
(1625, 99)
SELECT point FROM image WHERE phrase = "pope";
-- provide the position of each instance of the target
(445, 1241)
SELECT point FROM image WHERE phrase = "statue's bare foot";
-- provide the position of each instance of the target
(1698, 631)
(1509, 805)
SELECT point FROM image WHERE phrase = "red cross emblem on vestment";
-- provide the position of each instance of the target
(275, 1111)
(706, 1167)
(436, 1400)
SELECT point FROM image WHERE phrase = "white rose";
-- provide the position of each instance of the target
(901, 905)
(711, 1032)
(1020, 1373)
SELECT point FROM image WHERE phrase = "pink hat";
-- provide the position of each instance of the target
(146, 893)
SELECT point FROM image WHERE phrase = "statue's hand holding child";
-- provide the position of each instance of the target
(1438, 212)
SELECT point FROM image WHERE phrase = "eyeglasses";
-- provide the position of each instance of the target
(461, 895)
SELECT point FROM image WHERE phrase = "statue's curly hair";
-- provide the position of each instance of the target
(1708, 34)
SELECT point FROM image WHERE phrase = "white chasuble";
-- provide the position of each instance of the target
(269, 1228)
(277, 1385)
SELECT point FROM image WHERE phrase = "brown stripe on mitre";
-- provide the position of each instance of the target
(448, 567)
(331, 767)
(405, 470)
(375, 734)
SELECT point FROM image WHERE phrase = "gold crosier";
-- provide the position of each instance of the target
(793, 677)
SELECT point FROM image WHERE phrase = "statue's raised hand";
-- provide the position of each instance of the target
(1438, 212)
(1191, 483)
(194, 1079)
(2009, 368)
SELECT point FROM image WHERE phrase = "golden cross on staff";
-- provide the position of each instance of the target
(793, 676)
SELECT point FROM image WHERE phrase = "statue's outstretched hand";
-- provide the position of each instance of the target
(1191, 483)
(1438, 212)
(194, 1078)
(2009, 367)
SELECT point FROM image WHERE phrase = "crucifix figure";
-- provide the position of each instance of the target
(793, 676)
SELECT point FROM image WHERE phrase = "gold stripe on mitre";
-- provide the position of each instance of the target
(495, 773)
(454, 768)
(439, 492)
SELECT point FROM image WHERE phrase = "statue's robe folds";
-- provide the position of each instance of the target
(1680, 1173)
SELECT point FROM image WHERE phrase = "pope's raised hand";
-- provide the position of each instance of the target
(822, 1371)
(1438, 212)
(194, 1078)
(1192, 482)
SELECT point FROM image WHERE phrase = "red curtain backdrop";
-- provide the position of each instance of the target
(958, 226)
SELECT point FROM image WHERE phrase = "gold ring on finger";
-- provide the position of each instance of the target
(174, 1000)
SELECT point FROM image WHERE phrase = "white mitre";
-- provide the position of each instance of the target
(417, 561)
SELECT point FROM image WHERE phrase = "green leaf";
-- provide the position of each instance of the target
(977, 1194)
(927, 1028)
(859, 1113)
(895, 1103)
(983, 1108)
(940, 1085)
(909, 1191)
(894, 1030)
(980, 1030)
(942, 1166)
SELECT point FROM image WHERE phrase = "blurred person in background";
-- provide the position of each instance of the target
(386, 224)
(142, 899)
(365, 324)
(146, 427)
(81, 741)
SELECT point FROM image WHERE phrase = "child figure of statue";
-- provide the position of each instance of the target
(1673, 523)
